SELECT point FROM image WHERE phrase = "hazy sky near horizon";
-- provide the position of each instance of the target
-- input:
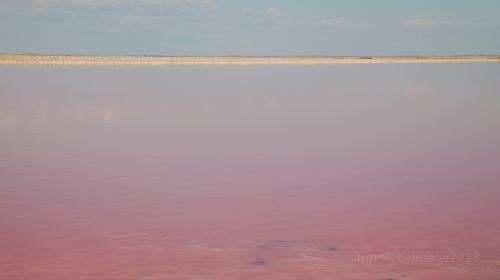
(257, 27)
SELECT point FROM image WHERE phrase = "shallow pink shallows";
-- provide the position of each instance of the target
(260, 172)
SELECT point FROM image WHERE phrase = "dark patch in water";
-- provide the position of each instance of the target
(332, 249)
(274, 243)
(282, 243)
(259, 262)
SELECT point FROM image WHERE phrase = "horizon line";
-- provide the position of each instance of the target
(172, 60)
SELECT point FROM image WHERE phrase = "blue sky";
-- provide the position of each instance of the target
(258, 27)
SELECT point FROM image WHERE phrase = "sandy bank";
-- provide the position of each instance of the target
(61, 60)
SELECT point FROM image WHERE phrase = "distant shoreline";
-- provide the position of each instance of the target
(82, 60)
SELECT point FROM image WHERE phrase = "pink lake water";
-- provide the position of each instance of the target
(266, 172)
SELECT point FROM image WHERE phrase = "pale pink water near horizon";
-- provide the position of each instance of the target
(265, 172)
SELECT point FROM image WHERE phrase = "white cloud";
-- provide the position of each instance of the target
(273, 12)
(426, 22)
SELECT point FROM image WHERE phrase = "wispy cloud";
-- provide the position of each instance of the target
(102, 3)
(266, 13)
(162, 2)
(97, 3)
(273, 12)
(137, 19)
(426, 22)
(132, 11)
(336, 22)
(209, 4)
(248, 11)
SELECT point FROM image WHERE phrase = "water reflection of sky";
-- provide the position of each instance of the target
(181, 163)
